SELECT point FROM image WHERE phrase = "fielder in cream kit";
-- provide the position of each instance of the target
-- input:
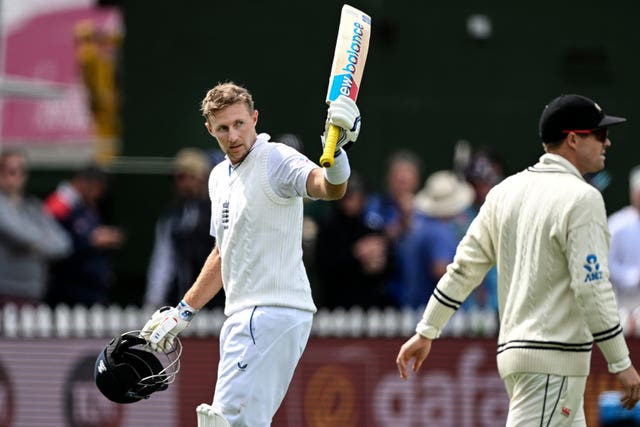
(545, 228)
(257, 211)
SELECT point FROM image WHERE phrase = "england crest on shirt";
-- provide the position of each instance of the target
(225, 214)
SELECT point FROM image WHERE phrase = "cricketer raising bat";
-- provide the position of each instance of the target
(348, 64)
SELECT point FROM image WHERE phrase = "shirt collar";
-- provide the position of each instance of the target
(556, 163)
(262, 138)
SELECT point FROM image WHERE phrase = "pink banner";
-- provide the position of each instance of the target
(39, 44)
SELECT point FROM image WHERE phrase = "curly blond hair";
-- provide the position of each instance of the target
(224, 95)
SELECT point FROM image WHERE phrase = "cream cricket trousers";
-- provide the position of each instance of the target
(544, 400)
(259, 350)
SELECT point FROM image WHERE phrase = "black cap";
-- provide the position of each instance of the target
(572, 112)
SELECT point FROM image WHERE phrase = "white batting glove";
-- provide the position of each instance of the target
(165, 324)
(344, 113)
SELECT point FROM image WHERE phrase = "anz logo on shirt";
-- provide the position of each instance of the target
(225, 215)
(593, 269)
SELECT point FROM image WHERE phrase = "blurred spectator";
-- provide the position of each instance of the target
(445, 197)
(631, 212)
(84, 277)
(351, 257)
(403, 177)
(427, 242)
(182, 239)
(484, 170)
(29, 237)
(624, 253)
(97, 54)
(393, 212)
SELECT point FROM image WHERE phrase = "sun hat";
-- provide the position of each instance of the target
(444, 195)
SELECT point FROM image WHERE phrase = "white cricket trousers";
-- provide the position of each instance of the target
(544, 400)
(259, 350)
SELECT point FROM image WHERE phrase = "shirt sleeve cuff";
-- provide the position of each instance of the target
(427, 331)
(620, 365)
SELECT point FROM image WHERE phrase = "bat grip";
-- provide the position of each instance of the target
(326, 160)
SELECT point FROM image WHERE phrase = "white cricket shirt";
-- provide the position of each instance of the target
(256, 218)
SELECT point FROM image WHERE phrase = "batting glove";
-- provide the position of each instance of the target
(344, 113)
(165, 324)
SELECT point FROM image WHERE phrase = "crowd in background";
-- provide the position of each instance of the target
(369, 249)
(391, 248)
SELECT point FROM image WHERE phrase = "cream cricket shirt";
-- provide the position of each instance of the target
(546, 230)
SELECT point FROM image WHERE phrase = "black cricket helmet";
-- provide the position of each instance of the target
(127, 370)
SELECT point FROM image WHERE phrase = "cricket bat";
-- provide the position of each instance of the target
(346, 71)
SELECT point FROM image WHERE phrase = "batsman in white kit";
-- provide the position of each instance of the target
(257, 211)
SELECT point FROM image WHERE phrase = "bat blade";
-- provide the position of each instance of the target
(349, 59)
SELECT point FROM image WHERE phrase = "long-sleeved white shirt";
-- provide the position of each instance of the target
(546, 230)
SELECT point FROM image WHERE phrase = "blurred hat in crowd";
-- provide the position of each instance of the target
(193, 161)
(444, 195)
(572, 112)
(484, 167)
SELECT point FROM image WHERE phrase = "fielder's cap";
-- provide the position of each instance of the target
(444, 195)
(193, 161)
(572, 112)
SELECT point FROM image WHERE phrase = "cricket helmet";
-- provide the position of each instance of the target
(127, 370)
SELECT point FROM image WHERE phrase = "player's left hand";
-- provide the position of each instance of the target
(344, 113)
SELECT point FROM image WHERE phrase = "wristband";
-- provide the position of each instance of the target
(186, 311)
(340, 171)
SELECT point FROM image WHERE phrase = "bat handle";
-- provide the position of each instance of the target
(326, 160)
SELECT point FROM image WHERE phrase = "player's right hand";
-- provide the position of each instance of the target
(162, 328)
(344, 113)
(417, 348)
